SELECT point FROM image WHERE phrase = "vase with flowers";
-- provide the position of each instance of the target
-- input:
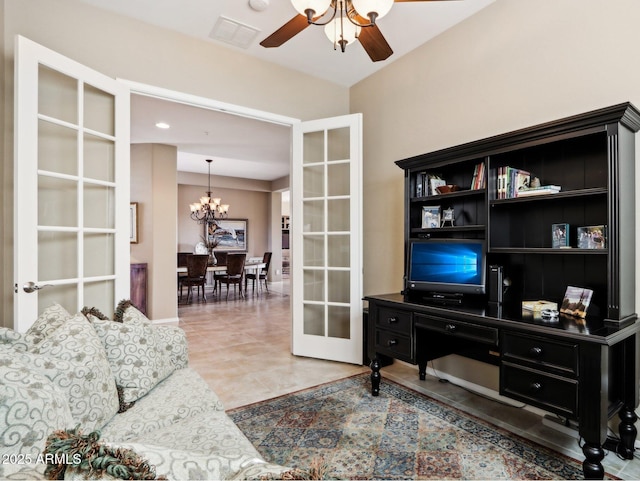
(211, 242)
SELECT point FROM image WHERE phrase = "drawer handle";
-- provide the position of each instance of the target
(536, 386)
(391, 342)
(392, 320)
(450, 327)
(535, 351)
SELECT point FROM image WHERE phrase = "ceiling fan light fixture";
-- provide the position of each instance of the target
(341, 32)
(311, 8)
(372, 9)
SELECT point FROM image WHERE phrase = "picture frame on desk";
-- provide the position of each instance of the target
(430, 216)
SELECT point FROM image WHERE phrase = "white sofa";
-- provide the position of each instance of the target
(78, 371)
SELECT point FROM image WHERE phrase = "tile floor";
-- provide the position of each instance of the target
(242, 349)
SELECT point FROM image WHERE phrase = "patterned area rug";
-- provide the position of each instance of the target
(400, 434)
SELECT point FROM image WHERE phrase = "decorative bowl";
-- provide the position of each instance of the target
(445, 189)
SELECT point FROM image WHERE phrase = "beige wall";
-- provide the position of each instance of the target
(514, 64)
(154, 187)
(128, 49)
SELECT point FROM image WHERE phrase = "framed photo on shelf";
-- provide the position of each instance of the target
(576, 301)
(434, 183)
(227, 234)
(559, 236)
(430, 216)
(592, 237)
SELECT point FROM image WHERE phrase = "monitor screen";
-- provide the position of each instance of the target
(447, 265)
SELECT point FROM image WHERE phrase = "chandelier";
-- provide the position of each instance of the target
(346, 19)
(209, 209)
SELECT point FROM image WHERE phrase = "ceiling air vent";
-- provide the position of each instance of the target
(233, 32)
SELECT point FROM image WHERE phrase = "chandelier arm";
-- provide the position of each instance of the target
(321, 24)
(353, 13)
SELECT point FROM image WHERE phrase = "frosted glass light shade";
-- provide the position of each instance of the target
(347, 32)
(318, 6)
(379, 7)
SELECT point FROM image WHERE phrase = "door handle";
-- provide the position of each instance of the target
(30, 287)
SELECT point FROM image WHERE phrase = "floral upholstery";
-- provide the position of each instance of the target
(166, 406)
(31, 406)
(139, 356)
(85, 376)
(63, 373)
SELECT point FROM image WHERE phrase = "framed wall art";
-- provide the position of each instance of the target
(227, 234)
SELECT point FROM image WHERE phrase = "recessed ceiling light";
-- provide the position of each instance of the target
(162, 125)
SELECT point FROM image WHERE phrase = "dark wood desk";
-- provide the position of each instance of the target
(582, 370)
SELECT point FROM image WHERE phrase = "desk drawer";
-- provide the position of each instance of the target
(553, 393)
(394, 320)
(486, 335)
(395, 345)
(541, 353)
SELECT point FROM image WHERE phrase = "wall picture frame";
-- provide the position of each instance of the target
(230, 234)
(133, 222)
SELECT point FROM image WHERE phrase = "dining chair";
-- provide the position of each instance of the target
(261, 275)
(196, 274)
(234, 274)
(217, 275)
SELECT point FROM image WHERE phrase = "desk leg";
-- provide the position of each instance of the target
(375, 376)
(591, 466)
(628, 432)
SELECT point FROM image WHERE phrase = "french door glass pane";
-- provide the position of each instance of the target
(57, 148)
(313, 250)
(313, 285)
(339, 286)
(313, 181)
(57, 202)
(339, 322)
(58, 254)
(314, 320)
(99, 110)
(99, 206)
(57, 95)
(338, 144)
(100, 294)
(339, 180)
(338, 215)
(313, 147)
(66, 296)
(99, 158)
(313, 212)
(98, 255)
(339, 250)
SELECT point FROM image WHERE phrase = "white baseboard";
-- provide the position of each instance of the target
(168, 320)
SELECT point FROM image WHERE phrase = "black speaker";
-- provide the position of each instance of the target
(495, 284)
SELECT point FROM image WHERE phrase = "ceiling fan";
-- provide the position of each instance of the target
(344, 22)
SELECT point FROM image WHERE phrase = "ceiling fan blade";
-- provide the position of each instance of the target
(290, 29)
(374, 43)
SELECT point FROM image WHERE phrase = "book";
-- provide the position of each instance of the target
(559, 235)
(420, 184)
(539, 306)
(478, 181)
(434, 183)
(576, 301)
(542, 190)
(592, 237)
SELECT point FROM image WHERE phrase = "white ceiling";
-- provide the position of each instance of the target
(249, 148)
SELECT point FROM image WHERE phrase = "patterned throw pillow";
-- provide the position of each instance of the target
(138, 359)
(31, 407)
(86, 376)
(14, 339)
(51, 319)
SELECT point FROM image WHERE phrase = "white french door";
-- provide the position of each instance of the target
(326, 205)
(71, 162)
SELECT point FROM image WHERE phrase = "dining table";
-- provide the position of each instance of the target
(250, 265)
